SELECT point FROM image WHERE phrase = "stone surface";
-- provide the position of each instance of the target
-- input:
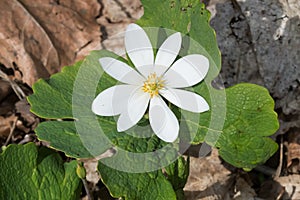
(259, 41)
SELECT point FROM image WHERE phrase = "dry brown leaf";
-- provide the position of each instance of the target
(6, 124)
(4, 127)
(208, 179)
(293, 154)
(291, 185)
(293, 151)
(5, 89)
(115, 16)
(38, 37)
(284, 188)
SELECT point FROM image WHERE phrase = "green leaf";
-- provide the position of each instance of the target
(68, 95)
(31, 173)
(90, 135)
(204, 34)
(171, 14)
(53, 98)
(240, 117)
(250, 118)
(63, 136)
(55, 95)
(242, 139)
(188, 17)
(142, 186)
(63, 96)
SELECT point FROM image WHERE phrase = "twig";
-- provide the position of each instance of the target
(280, 194)
(12, 128)
(269, 171)
(86, 187)
(279, 168)
(18, 91)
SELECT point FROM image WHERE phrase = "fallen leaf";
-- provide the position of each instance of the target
(291, 184)
(293, 152)
(6, 125)
(115, 16)
(5, 89)
(208, 179)
(38, 37)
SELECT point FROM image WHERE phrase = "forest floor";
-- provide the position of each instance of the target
(259, 42)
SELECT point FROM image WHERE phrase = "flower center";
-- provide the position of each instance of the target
(153, 84)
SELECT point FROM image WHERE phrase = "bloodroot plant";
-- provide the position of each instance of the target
(149, 105)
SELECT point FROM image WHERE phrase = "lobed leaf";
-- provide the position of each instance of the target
(238, 123)
(31, 173)
(250, 118)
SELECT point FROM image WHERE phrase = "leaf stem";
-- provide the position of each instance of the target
(86, 187)
(18, 91)
(12, 128)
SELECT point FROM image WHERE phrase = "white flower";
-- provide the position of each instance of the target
(155, 78)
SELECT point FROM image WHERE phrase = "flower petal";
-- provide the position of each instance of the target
(162, 120)
(168, 51)
(187, 71)
(112, 101)
(135, 109)
(138, 46)
(186, 100)
(121, 71)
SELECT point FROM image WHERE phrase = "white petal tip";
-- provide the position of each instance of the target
(119, 129)
(205, 65)
(169, 139)
(96, 108)
(122, 127)
(203, 108)
(99, 110)
(206, 108)
(177, 36)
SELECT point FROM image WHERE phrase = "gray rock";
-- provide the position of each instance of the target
(260, 43)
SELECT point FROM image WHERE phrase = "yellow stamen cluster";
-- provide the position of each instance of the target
(153, 84)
